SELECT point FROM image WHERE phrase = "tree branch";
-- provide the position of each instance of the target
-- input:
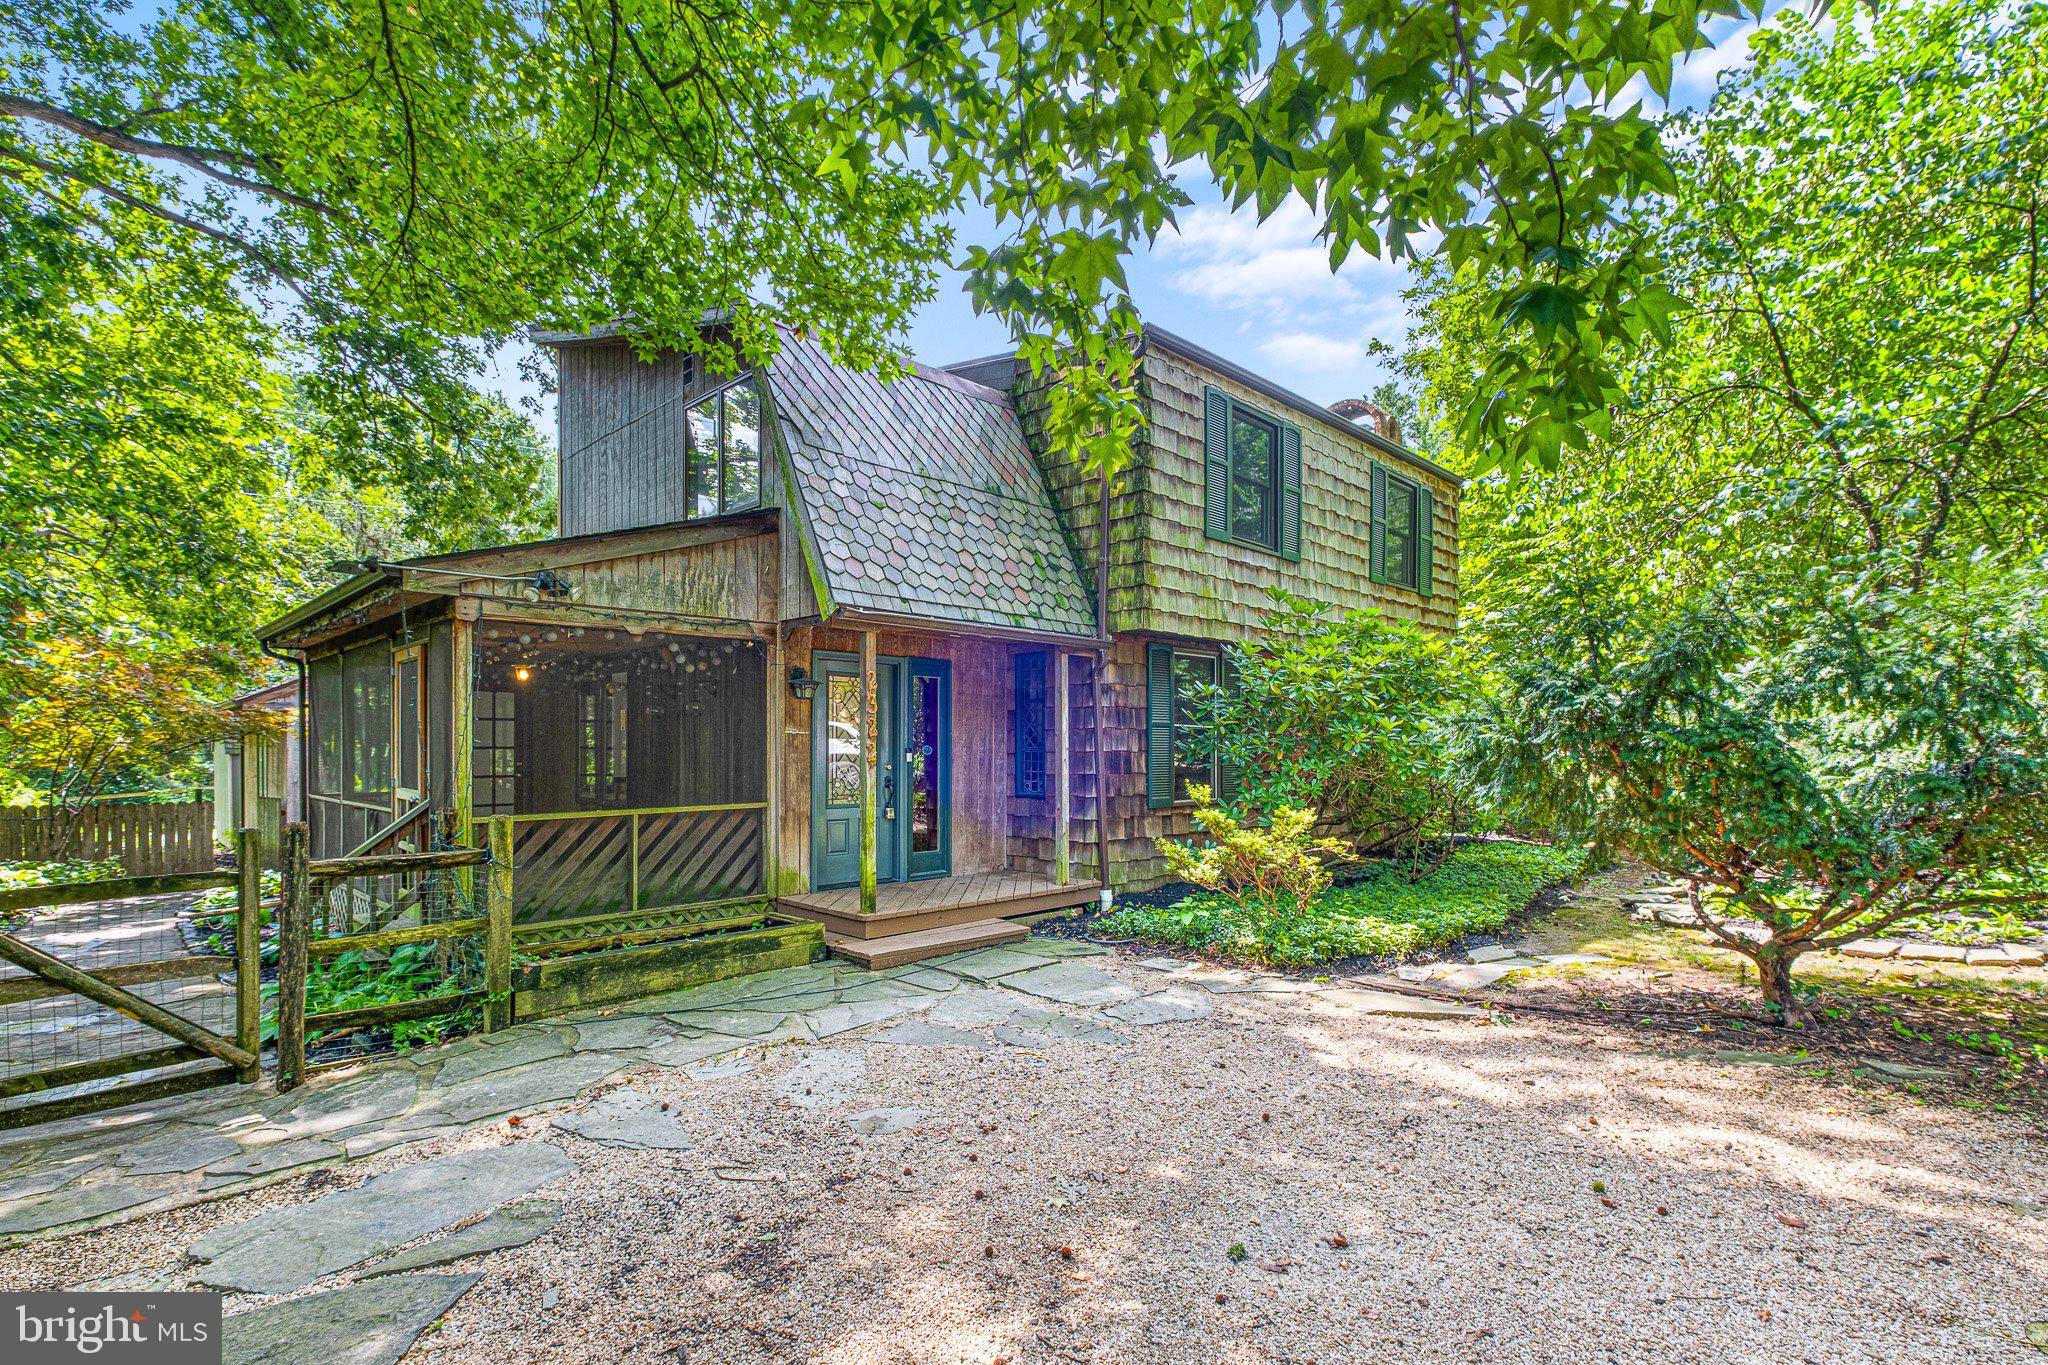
(206, 160)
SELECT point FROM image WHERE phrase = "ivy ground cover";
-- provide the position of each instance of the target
(1477, 890)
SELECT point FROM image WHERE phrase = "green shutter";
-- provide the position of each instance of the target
(1216, 446)
(1425, 540)
(1377, 539)
(1228, 777)
(1290, 493)
(1158, 726)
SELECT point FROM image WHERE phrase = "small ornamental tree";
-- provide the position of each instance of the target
(102, 710)
(1346, 716)
(1887, 758)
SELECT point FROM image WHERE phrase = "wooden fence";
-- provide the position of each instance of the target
(148, 840)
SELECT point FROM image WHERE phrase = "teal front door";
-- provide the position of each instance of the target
(913, 779)
(836, 723)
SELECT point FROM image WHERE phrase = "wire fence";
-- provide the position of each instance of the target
(384, 951)
(117, 991)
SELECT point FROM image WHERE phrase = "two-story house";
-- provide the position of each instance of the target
(851, 647)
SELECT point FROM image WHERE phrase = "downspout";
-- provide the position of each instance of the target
(1102, 694)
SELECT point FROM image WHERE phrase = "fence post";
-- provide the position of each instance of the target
(498, 933)
(249, 950)
(294, 929)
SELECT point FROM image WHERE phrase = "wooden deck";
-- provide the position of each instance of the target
(941, 902)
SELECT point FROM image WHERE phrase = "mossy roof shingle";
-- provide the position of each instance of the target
(923, 498)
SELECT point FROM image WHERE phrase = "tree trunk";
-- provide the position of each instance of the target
(1774, 972)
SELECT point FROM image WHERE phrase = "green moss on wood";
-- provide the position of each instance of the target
(630, 973)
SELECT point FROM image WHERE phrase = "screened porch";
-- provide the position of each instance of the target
(633, 770)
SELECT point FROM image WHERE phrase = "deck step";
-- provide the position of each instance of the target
(897, 949)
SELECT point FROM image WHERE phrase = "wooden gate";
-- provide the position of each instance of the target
(169, 1035)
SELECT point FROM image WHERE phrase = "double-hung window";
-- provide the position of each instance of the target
(722, 451)
(1194, 733)
(1180, 729)
(1403, 514)
(1252, 477)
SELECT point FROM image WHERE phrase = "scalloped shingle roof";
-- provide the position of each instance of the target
(923, 498)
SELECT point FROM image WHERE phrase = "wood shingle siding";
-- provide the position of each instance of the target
(1191, 584)
(1172, 580)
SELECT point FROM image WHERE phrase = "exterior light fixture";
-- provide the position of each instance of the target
(802, 685)
(522, 673)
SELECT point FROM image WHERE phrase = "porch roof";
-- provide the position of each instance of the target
(921, 497)
(523, 557)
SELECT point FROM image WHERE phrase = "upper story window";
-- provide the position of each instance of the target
(722, 457)
(1254, 461)
(1403, 517)
(1401, 531)
(1252, 483)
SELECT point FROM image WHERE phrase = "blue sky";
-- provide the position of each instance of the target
(1260, 294)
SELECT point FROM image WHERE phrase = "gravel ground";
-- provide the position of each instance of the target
(1401, 1190)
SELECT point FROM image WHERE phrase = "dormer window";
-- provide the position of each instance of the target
(722, 451)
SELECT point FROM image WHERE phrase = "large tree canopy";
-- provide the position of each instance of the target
(408, 183)
(1779, 628)
(1857, 392)
(1500, 136)
(415, 179)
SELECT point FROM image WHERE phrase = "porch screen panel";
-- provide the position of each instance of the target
(324, 812)
(366, 706)
(635, 767)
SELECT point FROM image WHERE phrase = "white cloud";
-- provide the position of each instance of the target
(1230, 258)
(1310, 328)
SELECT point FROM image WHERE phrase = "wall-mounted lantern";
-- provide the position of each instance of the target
(802, 685)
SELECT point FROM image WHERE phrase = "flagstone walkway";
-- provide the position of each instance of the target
(147, 1158)
(121, 1165)
(1039, 1153)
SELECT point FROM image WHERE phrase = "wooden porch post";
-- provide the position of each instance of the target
(771, 775)
(462, 728)
(870, 741)
(1063, 769)
(294, 929)
(498, 929)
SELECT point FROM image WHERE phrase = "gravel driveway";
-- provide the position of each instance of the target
(1286, 1179)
